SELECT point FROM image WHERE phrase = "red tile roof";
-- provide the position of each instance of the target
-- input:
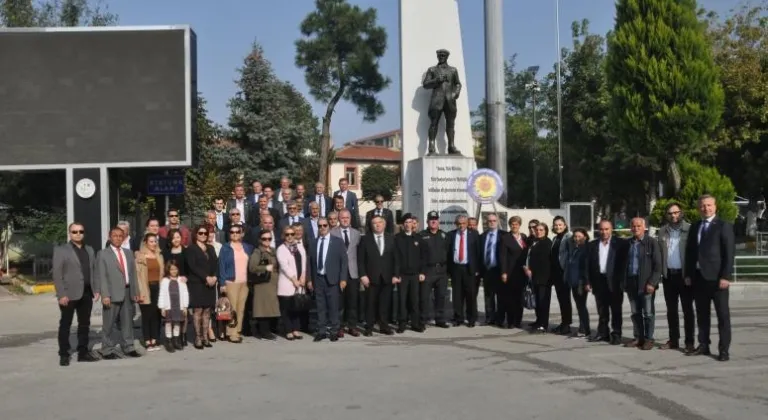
(368, 153)
(389, 133)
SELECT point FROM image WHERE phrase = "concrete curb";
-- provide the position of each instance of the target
(34, 289)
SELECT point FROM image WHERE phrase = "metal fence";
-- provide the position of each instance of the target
(750, 268)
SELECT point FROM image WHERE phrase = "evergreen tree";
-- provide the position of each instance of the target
(666, 97)
(271, 124)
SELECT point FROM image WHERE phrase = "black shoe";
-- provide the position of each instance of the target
(177, 343)
(387, 331)
(207, 343)
(367, 332)
(269, 336)
(539, 330)
(442, 325)
(87, 357)
(700, 351)
(458, 323)
(63, 360)
(400, 328)
(723, 356)
(320, 337)
(133, 353)
(169, 347)
(615, 340)
(597, 338)
(471, 325)
(418, 328)
(111, 356)
(334, 337)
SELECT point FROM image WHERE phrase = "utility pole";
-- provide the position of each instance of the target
(495, 103)
(534, 88)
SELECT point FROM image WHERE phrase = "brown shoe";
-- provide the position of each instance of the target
(633, 343)
(354, 332)
(648, 345)
(670, 345)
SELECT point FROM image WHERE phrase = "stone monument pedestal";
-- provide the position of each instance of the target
(439, 183)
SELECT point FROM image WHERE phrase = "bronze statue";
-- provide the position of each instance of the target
(446, 87)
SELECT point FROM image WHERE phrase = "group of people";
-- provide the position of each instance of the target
(274, 258)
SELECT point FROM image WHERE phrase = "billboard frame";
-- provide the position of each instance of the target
(189, 98)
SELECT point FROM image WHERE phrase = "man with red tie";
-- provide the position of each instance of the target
(117, 283)
(463, 267)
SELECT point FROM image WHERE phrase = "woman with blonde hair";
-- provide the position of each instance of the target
(291, 261)
(150, 269)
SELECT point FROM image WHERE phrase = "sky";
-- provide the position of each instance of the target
(226, 30)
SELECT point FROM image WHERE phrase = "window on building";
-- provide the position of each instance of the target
(350, 173)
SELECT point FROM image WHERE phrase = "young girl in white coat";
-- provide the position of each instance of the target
(173, 301)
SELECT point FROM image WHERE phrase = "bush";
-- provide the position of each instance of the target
(698, 179)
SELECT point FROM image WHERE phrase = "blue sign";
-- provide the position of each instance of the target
(165, 185)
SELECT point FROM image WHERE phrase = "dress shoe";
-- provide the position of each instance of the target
(670, 345)
(110, 356)
(354, 332)
(340, 334)
(269, 336)
(633, 343)
(457, 323)
(700, 351)
(387, 331)
(63, 360)
(87, 357)
(471, 325)
(320, 337)
(442, 325)
(169, 347)
(207, 343)
(723, 356)
(538, 330)
(133, 353)
(689, 348)
(647, 345)
(334, 337)
(418, 328)
(368, 332)
(615, 340)
(597, 338)
(400, 329)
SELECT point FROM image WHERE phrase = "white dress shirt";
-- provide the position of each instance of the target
(120, 254)
(603, 250)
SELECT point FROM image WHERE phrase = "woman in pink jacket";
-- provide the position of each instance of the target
(292, 260)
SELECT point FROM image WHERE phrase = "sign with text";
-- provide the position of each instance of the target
(165, 185)
(443, 188)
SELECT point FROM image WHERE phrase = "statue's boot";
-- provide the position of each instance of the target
(452, 150)
(432, 149)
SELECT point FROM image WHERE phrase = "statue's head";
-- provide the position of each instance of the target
(442, 55)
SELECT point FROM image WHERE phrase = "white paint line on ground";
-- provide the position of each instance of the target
(662, 372)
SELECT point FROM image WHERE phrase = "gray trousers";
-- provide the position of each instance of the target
(121, 311)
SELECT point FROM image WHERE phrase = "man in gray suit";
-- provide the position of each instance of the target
(351, 288)
(118, 285)
(328, 270)
(73, 277)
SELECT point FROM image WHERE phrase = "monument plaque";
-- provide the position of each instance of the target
(441, 185)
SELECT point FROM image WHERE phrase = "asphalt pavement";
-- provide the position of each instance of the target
(458, 373)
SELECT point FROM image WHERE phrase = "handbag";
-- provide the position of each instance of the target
(224, 310)
(300, 301)
(529, 299)
(260, 278)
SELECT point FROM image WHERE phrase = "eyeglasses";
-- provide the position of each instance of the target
(173, 215)
(234, 232)
(77, 232)
(234, 214)
(379, 201)
(289, 234)
(269, 238)
(202, 233)
(322, 225)
(673, 213)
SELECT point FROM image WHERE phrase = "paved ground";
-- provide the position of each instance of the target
(458, 373)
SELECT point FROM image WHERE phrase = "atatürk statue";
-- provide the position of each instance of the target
(446, 87)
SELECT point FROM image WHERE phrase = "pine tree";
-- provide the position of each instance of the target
(666, 97)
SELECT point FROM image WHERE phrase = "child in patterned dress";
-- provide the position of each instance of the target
(173, 301)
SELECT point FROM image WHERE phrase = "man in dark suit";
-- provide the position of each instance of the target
(412, 257)
(263, 207)
(463, 267)
(256, 192)
(117, 283)
(490, 268)
(268, 225)
(513, 279)
(380, 211)
(642, 265)
(73, 277)
(236, 219)
(604, 277)
(328, 270)
(351, 289)
(322, 199)
(130, 242)
(350, 201)
(310, 222)
(377, 265)
(709, 258)
(241, 203)
(294, 215)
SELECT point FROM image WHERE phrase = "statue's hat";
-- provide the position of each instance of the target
(443, 51)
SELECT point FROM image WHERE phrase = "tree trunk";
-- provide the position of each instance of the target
(674, 179)
(325, 146)
(651, 192)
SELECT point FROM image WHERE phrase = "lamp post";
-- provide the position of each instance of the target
(534, 88)
(5, 235)
(559, 106)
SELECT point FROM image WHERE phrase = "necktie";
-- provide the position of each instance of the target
(121, 261)
(346, 239)
(489, 250)
(321, 257)
(321, 202)
(378, 213)
(219, 220)
(380, 244)
(461, 247)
